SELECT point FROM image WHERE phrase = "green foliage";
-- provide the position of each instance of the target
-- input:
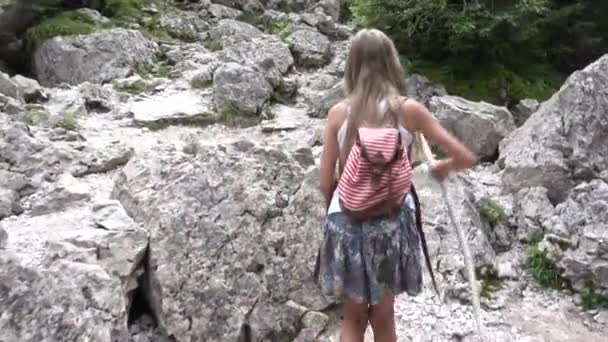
(213, 45)
(233, 118)
(153, 70)
(543, 270)
(496, 50)
(281, 28)
(121, 8)
(593, 300)
(490, 282)
(63, 24)
(67, 122)
(492, 212)
(134, 88)
(34, 117)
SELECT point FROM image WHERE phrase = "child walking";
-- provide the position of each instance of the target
(371, 248)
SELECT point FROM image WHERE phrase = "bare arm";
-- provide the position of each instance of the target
(420, 119)
(330, 152)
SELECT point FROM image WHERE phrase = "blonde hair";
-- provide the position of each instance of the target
(372, 74)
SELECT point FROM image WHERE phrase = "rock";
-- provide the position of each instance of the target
(233, 225)
(441, 237)
(10, 105)
(319, 103)
(109, 214)
(8, 87)
(67, 191)
(533, 209)
(523, 109)
(186, 26)
(172, 108)
(93, 15)
(234, 29)
(267, 55)
(326, 25)
(203, 77)
(3, 237)
(313, 324)
(223, 12)
(284, 119)
(239, 88)
(479, 125)
(579, 226)
(310, 48)
(92, 160)
(12, 180)
(9, 203)
(562, 141)
(602, 317)
(64, 102)
(422, 89)
(96, 98)
(331, 8)
(93, 308)
(30, 89)
(77, 59)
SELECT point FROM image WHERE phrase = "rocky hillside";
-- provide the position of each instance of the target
(163, 187)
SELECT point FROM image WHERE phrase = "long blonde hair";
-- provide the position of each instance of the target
(372, 74)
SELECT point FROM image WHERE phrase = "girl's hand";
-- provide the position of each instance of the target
(441, 169)
(420, 119)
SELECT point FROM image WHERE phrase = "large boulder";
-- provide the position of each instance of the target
(266, 54)
(578, 234)
(234, 231)
(481, 126)
(564, 140)
(444, 249)
(239, 89)
(237, 30)
(97, 58)
(84, 261)
(92, 308)
(311, 48)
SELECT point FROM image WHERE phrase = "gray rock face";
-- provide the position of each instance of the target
(320, 102)
(8, 87)
(310, 48)
(30, 89)
(580, 223)
(234, 29)
(231, 236)
(183, 25)
(239, 89)
(564, 139)
(267, 55)
(442, 238)
(9, 204)
(533, 209)
(172, 108)
(524, 109)
(92, 307)
(96, 98)
(60, 195)
(481, 126)
(97, 58)
(422, 89)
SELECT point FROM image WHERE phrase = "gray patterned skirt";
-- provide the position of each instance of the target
(358, 261)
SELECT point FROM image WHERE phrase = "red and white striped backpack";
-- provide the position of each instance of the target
(377, 174)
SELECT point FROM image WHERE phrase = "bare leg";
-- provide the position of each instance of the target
(382, 319)
(354, 322)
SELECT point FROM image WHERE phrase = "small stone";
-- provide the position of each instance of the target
(602, 317)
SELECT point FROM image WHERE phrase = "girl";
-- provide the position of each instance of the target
(366, 263)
